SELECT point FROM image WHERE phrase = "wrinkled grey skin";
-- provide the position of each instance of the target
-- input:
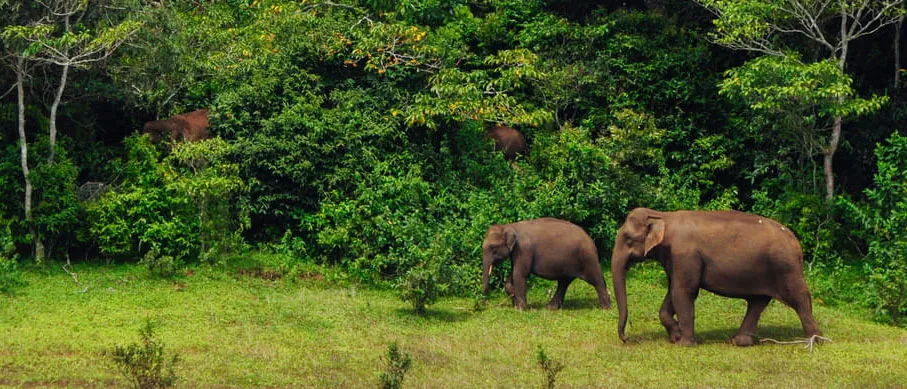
(550, 248)
(509, 141)
(729, 253)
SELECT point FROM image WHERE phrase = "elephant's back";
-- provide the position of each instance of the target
(739, 229)
(558, 231)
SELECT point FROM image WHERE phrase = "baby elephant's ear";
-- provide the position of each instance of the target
(655, 233)
(510, 237)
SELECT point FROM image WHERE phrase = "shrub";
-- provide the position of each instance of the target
(419, 286)
(10, 277)
(212, 183)
(551, 367)
(57, 211)
(143, 213)
(396, 364)
(884, 215)
(182, 207)
(160, 265)
(144, 364)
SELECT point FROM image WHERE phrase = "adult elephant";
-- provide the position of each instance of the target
(729, 253)
(509, 141)
(550, 248)
(189, 127)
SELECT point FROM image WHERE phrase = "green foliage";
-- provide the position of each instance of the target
(177, 209)
(144, 213)
(396, 364)
(212, 182)
(57, 213)
(884, 220)
(485, 94)
(796, 91)
(145, 364)
(550, 367)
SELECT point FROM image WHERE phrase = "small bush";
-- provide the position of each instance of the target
(551, 367)
(396, 364)
(160, 265)
(10, 277)
(419, 287)
(144, 364)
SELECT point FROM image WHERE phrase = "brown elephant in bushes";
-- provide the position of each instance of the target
(729, 253)
(509, 141)
(550, 248)
(190, 127)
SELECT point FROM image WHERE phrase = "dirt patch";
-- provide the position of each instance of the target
(259, 272)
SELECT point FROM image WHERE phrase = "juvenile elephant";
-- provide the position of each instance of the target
(190, 127)
(730, 253)
(549, 248)
(508, 140)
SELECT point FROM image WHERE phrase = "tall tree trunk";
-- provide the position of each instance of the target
(53, 114)
(897, 52)
(23, 147)
(829, 156)
(836, 129)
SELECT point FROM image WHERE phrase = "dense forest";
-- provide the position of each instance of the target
(351, 134)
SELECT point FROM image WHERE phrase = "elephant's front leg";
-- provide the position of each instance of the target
(666, 314)
(683, 299)
(508, 286)
(519, 287)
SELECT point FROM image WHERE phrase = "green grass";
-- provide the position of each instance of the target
(243, 331)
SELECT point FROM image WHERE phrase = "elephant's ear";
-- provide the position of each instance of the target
(510, 237)
(655, 234)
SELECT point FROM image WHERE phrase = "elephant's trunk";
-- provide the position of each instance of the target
(619, 277)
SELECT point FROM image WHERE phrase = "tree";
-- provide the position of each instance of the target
(777, 29)
(65, 33)
(15, 58)
(63, 36)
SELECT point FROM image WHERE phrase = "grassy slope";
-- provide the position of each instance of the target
(250, 332)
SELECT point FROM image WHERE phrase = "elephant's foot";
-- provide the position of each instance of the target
(742, 340)
(685, 342)
(554, 305)
(673, 329)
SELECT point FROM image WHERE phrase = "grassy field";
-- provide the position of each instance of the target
(245, 331)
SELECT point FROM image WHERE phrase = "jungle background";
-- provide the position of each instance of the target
(349, 135)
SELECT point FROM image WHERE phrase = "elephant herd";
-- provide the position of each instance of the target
(729, 253)
(193, 126)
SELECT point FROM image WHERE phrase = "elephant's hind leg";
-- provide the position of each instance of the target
(796, 295)
(598, 282)
(755, 306)
(558, 300)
